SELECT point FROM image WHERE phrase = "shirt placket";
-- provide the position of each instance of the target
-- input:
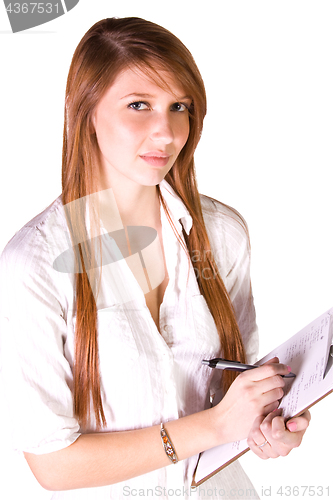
(167, 321)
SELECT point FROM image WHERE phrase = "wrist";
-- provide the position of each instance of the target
(217, 425)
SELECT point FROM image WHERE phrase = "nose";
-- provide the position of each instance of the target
(161, 130)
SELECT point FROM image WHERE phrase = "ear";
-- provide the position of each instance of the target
(92, 123)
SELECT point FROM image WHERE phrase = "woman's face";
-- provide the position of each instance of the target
(140, 129)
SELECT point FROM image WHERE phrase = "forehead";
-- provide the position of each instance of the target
(142, 81)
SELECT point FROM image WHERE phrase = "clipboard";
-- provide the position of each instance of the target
(307, 352)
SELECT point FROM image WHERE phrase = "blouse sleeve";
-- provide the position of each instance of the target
(229, 238)
(238, 283)
(36, 375)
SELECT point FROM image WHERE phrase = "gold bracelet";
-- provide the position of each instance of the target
(168, 446)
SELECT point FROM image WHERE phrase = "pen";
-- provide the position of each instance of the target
(225, 364)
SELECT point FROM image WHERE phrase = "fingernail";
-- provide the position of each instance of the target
(289, 368)
(292, 426)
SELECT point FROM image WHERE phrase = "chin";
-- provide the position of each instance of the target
(152, 179)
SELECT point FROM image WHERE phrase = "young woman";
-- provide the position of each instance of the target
(115, 293)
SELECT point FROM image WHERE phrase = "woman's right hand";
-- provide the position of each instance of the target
(253, 393)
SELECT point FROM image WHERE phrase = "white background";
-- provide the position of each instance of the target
(266, 150)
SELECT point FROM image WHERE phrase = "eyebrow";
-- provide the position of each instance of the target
(149, 96)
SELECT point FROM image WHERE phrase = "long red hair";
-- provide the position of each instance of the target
(110, 46)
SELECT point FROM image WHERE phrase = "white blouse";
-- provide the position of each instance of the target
(147, 377)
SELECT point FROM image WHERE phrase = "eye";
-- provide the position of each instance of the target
(179, 106)
(138, 105)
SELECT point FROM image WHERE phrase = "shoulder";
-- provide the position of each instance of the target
(229, 239)
(223, 221)
(40, 225)
(28, 257)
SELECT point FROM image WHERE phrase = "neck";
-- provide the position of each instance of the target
(137, 205)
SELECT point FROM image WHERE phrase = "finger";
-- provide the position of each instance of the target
(266, 426)
(270, 408)
(257, 438)
(281, 441)
(256, 434)
(272, 397)
(266, 370)
(272, 360)
(278, 429)
(259, 443)
(260, 452)
(268, 384)
(274, 430)
(300, 423)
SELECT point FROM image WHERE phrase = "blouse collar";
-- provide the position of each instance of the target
(179, 212)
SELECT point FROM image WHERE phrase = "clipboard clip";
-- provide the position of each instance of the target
(329, 362)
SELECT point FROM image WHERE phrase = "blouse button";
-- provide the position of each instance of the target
(168, 329)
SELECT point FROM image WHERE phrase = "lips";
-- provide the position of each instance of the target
(156, 158)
